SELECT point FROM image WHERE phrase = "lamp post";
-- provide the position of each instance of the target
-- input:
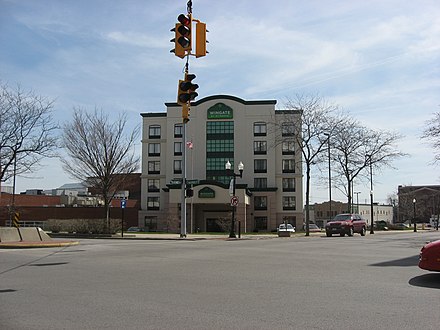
(371, 196)
(329, 176)
(414, 215)
(357, 200)
(230, 172)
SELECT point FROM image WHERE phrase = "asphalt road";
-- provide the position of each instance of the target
(370, 282)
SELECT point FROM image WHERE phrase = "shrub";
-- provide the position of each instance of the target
(54, 225)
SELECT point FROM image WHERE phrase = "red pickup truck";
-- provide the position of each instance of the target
(346, 223)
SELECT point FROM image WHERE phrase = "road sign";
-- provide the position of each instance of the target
(234, 201)
(123, 203)
(16, 219)
(193, 182)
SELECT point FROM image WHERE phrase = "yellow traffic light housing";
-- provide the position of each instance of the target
(185, 113)
(201, 39)
(187, 90)
(178, 49)
(182, 36)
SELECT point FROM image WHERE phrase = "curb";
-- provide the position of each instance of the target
(41, 244)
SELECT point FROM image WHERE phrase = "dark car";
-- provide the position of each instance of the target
(134, 229)
(346, 224)
(380, 225)
(430, 256)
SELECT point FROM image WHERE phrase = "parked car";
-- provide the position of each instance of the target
(380, 225)
(346, 224)
(290, 228)
(430, 256)
(312, 228)
(400, 226)
(134, 229)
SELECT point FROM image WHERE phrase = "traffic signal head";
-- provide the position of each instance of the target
(189, 192)
(187, 90)
(201, 39)
(182, 37)
(185, 113)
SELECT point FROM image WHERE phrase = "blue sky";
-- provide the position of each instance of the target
(379, 60)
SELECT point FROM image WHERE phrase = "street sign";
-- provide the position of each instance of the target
(193, 182)
(176, 181)
(234, 201)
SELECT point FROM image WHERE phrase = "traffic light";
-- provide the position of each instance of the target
(187, 90)
(185, 113)
(201, 39)
(178, 49)
(182, 37)
(189, 192)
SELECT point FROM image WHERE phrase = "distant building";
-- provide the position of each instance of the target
(69, 189)
(380, 212)
(70, 201)
(418, 202)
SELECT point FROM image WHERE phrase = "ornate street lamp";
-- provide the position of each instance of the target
(230, 172)
(414, 215)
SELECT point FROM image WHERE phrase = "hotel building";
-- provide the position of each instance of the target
(221, 128)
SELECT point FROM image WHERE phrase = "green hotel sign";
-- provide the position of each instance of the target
(220, 111)
(206, 193)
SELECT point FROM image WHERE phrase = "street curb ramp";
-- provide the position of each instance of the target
(27, 237)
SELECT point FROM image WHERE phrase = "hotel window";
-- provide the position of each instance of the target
(177, 167)
(260, 183)
(153, 167)
(153, 185)
(153, 149)
(287, 129)
(260, 166)
(260, 147)
(288, 147)
(289, 203)
(152, 203)
(219, 149)
(261, 223)
(154, 132)
(288, 166)
(288, 184)
(259, 129)
(178, 130)
(177, 148)
(260, 203)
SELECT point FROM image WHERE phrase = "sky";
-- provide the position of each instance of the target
(378, 60)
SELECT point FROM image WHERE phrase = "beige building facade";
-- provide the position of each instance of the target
(322, 214)
(221, 129)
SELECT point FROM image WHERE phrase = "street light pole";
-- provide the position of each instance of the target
(414, 215)
(371, 196)
(329, 177)
(357, 200)
(230, 172)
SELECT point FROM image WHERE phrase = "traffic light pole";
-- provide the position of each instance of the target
(183, 192)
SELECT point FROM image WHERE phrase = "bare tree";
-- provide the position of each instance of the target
(99, 152)
(27, 131)
(356, 149)
(432, 133)
(310, 134)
